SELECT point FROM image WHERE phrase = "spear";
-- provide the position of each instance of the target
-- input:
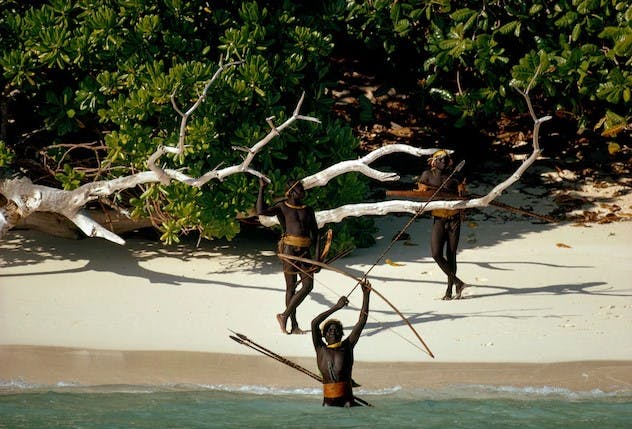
(242, 339)
(423, 194)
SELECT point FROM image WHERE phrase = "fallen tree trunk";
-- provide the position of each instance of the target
(415, 207)
(25, 198)
(60, 226)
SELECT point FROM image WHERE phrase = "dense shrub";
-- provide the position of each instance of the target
(466, 53)
(103, 71)
(86, 84)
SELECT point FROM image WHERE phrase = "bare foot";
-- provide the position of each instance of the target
(459, 288)
(282, 322)
(297, 331)
(448, 294)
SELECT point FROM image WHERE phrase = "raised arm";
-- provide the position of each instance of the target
(317, 335)
(354, 336)
(261, 207)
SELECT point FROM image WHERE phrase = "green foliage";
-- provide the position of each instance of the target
(69, 177)
(105, 70)
(351, 234)
(465, 54)
(6, 155)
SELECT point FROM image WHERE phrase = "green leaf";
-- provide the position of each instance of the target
(509, 27)
(623, 46)
(442, 94)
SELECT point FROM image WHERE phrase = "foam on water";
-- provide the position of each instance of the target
(444, 393)
(69, 405)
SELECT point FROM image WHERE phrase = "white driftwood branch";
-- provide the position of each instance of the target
(417, 207)
(244, 167)
(163, 177)
(361, 165)
(25, 197)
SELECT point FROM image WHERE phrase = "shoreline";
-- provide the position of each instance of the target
(546, 305)
(58, 366)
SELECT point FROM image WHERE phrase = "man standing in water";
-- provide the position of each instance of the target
(335, 358)
(300, 232)
(446, 224)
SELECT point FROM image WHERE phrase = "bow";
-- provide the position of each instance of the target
(363, 281)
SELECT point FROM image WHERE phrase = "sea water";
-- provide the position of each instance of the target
(156, 407)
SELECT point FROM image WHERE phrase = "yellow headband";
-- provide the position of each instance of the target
(439, 154)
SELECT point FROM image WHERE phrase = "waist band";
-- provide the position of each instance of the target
(295, 240)
(341, 389)
(444, 212)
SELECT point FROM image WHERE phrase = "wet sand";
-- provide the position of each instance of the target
(546, 305)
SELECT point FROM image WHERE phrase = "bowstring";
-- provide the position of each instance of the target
(364, 279)
(412, 219)
(373, 318)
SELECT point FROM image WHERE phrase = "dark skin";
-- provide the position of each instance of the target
(445, 232)
(299, 220)
(336, 363)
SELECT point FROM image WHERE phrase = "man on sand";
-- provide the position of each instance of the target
(300, 232)
(446, 224)
(335, 358)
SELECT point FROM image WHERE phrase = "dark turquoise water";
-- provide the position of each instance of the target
(155, 407)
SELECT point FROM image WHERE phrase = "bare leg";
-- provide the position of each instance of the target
(445, 233)
(448, 294)
(459, 288)
(452, 243)
(282, 322)
(437, 242)
(290, 291)
(297, 299)
(294, 324)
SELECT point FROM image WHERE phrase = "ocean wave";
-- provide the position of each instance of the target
(463, 391)
(481, 391)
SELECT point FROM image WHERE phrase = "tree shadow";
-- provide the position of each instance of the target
(29, 248)
(422, 319)
(375, 326)
(557, 289)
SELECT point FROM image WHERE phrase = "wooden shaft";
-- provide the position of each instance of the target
(415, 194)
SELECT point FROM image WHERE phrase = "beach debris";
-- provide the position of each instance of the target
(390, 262)
(563, 246)
(613, 148)
(401, 236)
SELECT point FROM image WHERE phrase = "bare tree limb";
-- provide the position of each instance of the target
(403, 206)
(24, 197)
(244, 167)
(163, 177)
(362, 165)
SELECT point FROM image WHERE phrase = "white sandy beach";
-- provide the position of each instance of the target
(547, 305)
